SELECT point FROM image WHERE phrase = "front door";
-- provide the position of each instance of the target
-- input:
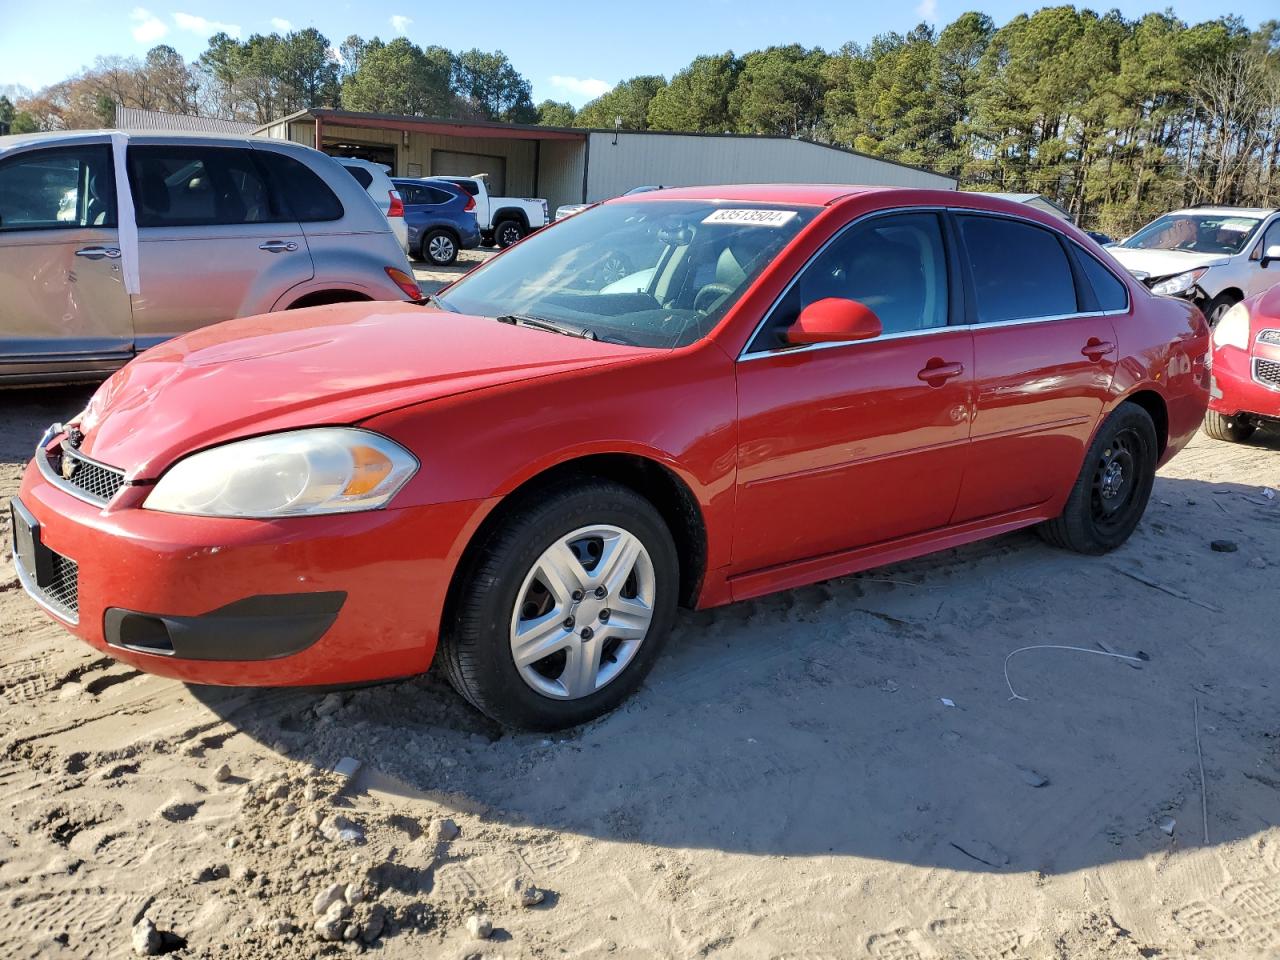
(63, 306)
(841, 446)
(1263, 278)
(215, 241)
(1045, 353)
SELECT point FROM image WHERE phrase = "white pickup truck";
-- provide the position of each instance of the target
(502, 220)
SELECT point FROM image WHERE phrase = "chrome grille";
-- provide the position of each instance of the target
(1266, 371)
(88, 479)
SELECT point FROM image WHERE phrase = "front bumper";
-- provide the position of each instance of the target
(323, 600)
(1233, 387)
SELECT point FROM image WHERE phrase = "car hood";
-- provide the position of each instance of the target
(1163, 263)
(325, 365)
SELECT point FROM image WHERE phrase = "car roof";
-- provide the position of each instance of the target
(1226, 211)
(811, 194)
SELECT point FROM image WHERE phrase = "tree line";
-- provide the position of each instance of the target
(1116, 119)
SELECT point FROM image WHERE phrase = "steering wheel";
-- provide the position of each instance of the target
(709, 297)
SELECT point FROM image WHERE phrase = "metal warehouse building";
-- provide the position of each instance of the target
(564, 165)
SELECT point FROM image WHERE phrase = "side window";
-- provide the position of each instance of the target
(63, 188)
(182, 186)
(467, 185)
(435, 195)
(896, 265)
(363, 176)
(1271, 238)
(1020, 271)
(308, 196)
(409, 193)
(1107, 290)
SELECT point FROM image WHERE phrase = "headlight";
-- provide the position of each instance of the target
(319, 470)
(1183, 282)
(1233, 329)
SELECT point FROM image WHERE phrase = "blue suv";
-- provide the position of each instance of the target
(441, 220)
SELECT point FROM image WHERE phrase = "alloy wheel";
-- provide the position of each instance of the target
(583, 611)
(441, 249)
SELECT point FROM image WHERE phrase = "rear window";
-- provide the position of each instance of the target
(363, 176)
(1107, 290)
(1020, 271)
(308, 196)
(175, 186)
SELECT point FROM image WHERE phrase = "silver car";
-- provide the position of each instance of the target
(111, 243)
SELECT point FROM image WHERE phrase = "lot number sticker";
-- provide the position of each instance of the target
(752, 218)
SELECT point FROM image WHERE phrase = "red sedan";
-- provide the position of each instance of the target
(1244, 390)
(525, 476)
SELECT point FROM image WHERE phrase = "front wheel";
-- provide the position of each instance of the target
(1110, 495)
(439, 248)
(1217, 308)
(1235, 429)
(508, 232)
(563, 607)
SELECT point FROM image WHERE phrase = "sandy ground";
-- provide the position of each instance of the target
(789, 783)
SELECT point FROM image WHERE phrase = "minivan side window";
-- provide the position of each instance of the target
(183, 186)
(308, 196)
(895, 264)
(1110, 293)
(1020, 271)
(58, 189)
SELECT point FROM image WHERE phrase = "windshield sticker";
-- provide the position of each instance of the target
(1241, 224)
(752, 218)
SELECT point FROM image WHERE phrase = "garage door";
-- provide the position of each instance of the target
(450, 163)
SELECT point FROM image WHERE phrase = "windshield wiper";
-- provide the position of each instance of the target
(554, 326)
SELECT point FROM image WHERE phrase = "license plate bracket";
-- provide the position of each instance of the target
(33, 556)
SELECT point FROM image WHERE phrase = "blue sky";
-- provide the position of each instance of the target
(570, 50)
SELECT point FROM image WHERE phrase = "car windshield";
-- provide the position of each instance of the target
(1195, 233)
(654, 273)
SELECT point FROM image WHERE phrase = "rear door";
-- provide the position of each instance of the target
(215, 240)
(845, 445)
(63, 306)
(1044, 354)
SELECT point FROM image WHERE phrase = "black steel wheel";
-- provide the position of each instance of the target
(1113, 487)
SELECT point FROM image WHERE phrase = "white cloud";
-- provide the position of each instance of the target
(400, 24)
(927, 9)
(281, 24)
(587, 87)
(204, 26)
(150, 28)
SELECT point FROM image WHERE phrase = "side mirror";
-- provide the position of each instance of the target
(834, 320)
(1270, 253)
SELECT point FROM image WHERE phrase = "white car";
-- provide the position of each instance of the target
(502, 220)
(566, 210)
(376, 180)
(1212, 256)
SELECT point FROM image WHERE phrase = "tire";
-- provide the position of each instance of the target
(508, 232)
(504, 590)
(1111, 493)
(614, 267)
(1235, 429)
(1219, 305)
(439, 248)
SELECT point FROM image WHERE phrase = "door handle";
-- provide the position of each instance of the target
(278, 246)
(1096, 349)
(98, 253)
(937, 372)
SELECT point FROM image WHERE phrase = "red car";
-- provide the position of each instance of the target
(1244, 389)
(525, 476)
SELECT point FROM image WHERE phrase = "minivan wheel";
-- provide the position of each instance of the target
(439, 248)
(1235, 429)
(1217, 308)
(1111, 493)
(563, 607)
(508, 232)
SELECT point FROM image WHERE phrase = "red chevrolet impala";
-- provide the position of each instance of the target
(690, 396)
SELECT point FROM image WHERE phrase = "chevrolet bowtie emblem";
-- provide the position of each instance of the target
(68, 467)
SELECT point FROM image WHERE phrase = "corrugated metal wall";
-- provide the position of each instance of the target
(642, 159)
(560, 171)
(518, 154)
